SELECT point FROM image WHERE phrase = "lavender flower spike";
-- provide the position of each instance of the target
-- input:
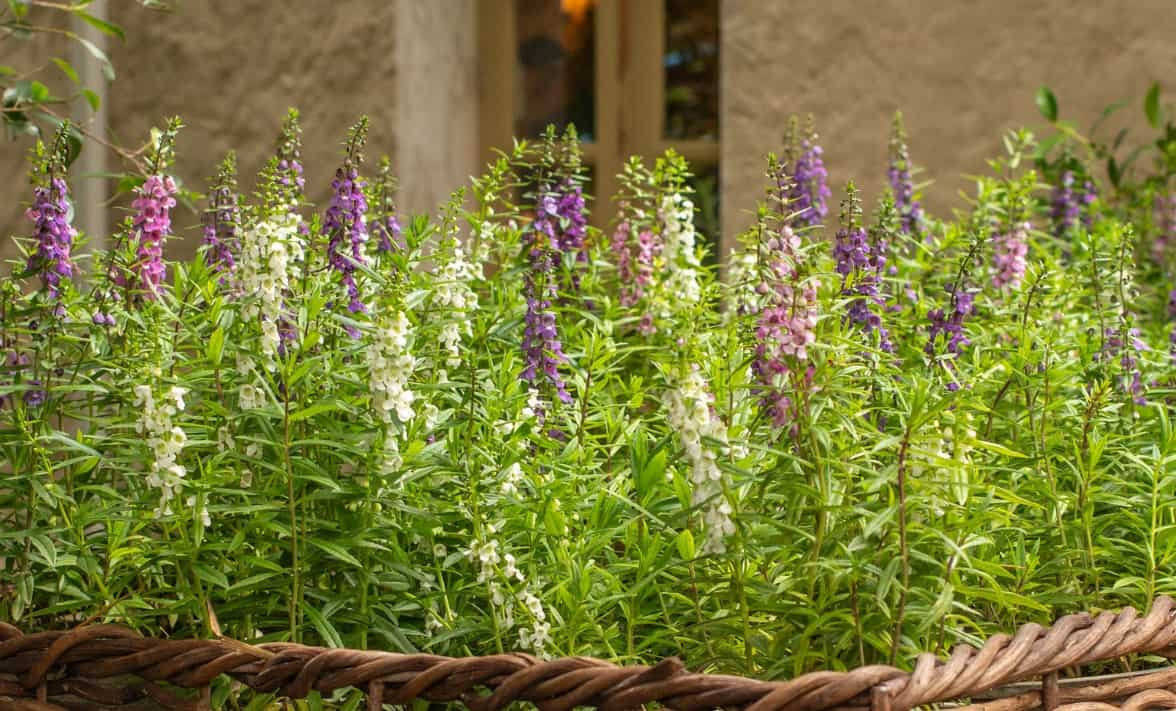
(50, 213)
(1064, 208)
(152, 223)
(1009, 252)
(53, 233)
(222, 218)
(345, 222)
(542, 350)
(899, 175)
(860, 265)
(385, 225)
(810, 192)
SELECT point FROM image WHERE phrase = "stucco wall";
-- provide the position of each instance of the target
(231, 68)
(961, 72)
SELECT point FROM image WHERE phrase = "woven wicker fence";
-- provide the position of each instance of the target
(110, 667)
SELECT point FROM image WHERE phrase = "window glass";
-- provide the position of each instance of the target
(692, 69)
(556, 65)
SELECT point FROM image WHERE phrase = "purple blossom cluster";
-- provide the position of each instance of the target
(950, 325)
(860, 265)
(1009, 252)
(787, 317)
(572, 225)
(384, 225)
(221, 220)
(14, 364)
(54, 236)
(542, 350)
(387, 231)
(635, 256)
(290, 179)
(151, 224)
(810, 191)
(784, 330)
(910, 211)
(1070, 207)
(346, 226)
(1127, 351)
(1164, 225)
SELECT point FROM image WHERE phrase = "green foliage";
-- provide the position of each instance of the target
(386, 479)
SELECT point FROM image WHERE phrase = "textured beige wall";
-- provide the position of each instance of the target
(436, 100)
(230, 69)
(961, 72)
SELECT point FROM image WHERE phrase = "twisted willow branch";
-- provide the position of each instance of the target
(50, 671)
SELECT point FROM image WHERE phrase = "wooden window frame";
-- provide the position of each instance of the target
(630, 88)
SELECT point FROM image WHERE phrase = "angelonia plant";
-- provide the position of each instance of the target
(535, 419)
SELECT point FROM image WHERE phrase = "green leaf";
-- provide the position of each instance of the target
(325, 629)
(107, 67)
(106, 28)
(91, 99)
(1113, 171)
(216, 346)
(66, 68)
(45, 547)
(1047, 103)
(316, 409)
(336, 551)
(1151, 105)
(211, 575)
(685, 543)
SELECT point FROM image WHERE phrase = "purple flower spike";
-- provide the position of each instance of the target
(542, 350)
(1009, 252)
(387, 233)
(1126, 351)
(950, 325)
(346, 226)
(222, 218)
(1069, 207)
(1164, 225)
(910, 211)
(54, 235)
(345, 222)
(152, 225)
(861, 265)
(810, 193)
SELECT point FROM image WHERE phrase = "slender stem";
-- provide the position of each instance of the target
(904, 551)
(291, 507)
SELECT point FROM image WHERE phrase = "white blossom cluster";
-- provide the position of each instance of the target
(499, 570)
(742, 278)
(676, 213)
(453, 292)
(390, 364)
(946, 464)
(165, 440)
(689, 412)
(269, 248)
(249, 396)
(483, 243)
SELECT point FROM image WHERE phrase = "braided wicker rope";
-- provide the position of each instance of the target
(110, 667)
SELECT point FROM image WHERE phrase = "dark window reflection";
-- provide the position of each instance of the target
(692, 69)
(556, 62)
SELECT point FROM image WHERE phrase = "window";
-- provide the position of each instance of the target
(635, 77)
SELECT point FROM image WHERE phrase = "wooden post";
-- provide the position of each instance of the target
(643, 76)
(497, 76)
(607, 151)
